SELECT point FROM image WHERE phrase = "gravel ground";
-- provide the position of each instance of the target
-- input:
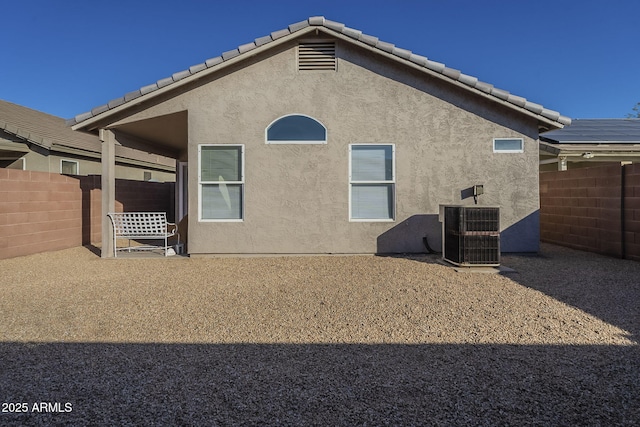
(357, 340)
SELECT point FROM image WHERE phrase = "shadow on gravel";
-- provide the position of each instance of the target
(254, 384)
(607, 288)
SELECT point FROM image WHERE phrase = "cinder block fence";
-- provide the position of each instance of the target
(593, 209)
(42, 211)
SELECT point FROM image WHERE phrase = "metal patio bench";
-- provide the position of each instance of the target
(142, 226)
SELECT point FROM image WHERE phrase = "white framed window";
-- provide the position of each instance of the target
(372, 180)
(296, 129)
(220, 182)
(69, 167)
(508, 145)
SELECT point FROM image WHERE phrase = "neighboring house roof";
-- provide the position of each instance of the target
(596, 131)
(51, 133)
(589, 138)
(43, 129)
(319, 23)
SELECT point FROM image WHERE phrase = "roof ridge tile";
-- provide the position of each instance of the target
(518, 100)
(500, 93)
(299, 26)
(132, 95)
(468, 80)
(370, 40)
(263, 40)
(197, 68)
(213, 61)
(484, 87)
(100, 109)
(418, 59)
(321, 21)
(435, 66)
(164, 82)
(149, 88)
(402, 53)
(116, 102)
(336, 26)
(352, 33)
(316, 20)
(280, 33)
(247, 47)
(230, 54)
(451, 72)
(180, 75)
(387, 47)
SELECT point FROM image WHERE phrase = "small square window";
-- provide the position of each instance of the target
(508, 145)
(68, 167)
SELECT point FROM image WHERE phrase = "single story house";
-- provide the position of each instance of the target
(37, 141)
(590, 142)
(318, 138)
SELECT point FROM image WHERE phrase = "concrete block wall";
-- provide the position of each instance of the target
(582, 209)
(131, 196)
(632, 211)
(41, 211)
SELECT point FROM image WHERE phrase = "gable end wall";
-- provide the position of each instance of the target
(296, 197)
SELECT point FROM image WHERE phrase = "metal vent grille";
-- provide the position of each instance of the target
(472, 235)
(317, 56)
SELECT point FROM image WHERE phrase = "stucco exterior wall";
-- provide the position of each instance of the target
(296, 197)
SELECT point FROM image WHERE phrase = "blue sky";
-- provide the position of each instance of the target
(581, 58)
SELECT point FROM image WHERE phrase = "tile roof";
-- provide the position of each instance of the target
(43, 129)
(356, 35)
(52, 133)
(596, 131)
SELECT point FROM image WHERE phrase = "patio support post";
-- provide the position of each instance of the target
(108, 189)
(562, 163)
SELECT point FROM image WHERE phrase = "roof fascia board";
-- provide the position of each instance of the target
(592, 142)
(548, 148)
(119, 158)
(441, 77)
(14, 146)
(142, 163)
(76, 151)
(564, 150)
(89, 123)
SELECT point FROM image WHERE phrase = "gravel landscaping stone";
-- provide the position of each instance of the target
(323, 340)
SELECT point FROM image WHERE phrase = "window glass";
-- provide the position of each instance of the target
(68, 167)
(220, 163)
(371, 163)
(296, 128)
(372, 182)
(221, 181)
(372, 201)
(221, 201)
(508, 145)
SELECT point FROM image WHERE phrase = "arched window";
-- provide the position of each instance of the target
(296, 129)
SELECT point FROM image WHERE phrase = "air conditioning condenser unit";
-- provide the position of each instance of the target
(471, 235)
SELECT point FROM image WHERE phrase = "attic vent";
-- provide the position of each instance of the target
(317, 56)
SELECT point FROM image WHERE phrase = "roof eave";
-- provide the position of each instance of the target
(88, 124)
(546, 118)
(547, 121)
(579, 149)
